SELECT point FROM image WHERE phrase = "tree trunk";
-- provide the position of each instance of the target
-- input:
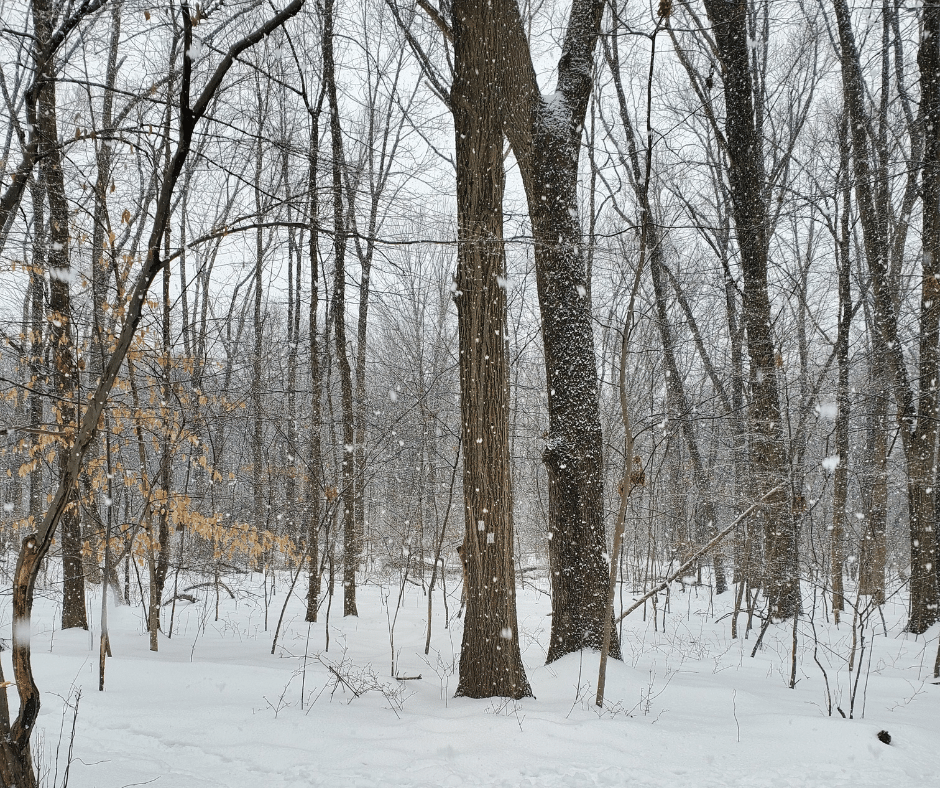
(490, 659)
(747, 180)
(61, 339)
(351, 546)
(924, 569)
(37, 306)
(874, 547)
(545, 134)
(843, 402)
(314, 471)
(259, 521)
(916, 419)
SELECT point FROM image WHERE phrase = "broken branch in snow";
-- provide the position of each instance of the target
(698, 554)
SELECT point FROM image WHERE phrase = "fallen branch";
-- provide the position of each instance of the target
(228, 590)
(698, 554)
(183, 596)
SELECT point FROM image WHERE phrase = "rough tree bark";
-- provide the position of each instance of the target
(64, 367)
(490, 659)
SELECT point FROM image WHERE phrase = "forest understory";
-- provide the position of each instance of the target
(530, 392)
(688, 705)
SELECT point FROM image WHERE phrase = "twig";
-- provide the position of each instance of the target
(280, 620)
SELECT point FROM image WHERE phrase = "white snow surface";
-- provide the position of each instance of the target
(688, 706)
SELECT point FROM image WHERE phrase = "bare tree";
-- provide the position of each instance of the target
(16, 768)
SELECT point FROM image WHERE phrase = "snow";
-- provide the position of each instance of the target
(556, 115)
(687, 706)
(66, 275)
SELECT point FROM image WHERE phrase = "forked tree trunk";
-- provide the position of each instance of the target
(490, 658)
(545, 134)
(314, 476)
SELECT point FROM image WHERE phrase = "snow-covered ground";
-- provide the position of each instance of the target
(688, 706)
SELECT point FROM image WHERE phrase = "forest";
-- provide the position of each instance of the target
(557, 352)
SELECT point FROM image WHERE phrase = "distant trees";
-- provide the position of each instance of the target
(747, 188)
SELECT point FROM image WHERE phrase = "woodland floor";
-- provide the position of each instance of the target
(687, 706)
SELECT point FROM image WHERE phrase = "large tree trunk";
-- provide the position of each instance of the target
(490, 659)
(545, 134)
(747, 180)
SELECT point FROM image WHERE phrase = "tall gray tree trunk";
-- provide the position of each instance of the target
(747, 180)
(545, 135)
(351, 546)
